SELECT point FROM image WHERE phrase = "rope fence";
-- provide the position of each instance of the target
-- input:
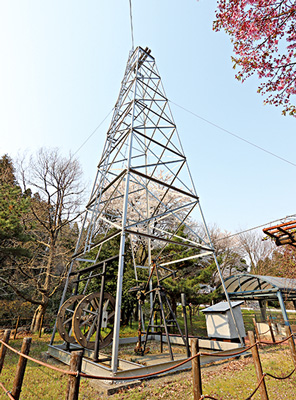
(281, 377)
(76, 357)
(7, 392)
(137, 377)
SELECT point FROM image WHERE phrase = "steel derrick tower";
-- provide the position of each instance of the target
(143, 193)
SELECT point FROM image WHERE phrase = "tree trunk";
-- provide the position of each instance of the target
(37, 317)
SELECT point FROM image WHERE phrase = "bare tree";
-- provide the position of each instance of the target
(228, 253)
(254, 249)
(54, 186)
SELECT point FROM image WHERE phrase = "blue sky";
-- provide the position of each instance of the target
(62, 63)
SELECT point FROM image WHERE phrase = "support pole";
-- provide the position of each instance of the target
(283, 308)
(196, 372)
(258, 367)
(114, 361)
(183, 302)
(160, 294)
(4, 348)
(21, 368)
(99, 321)
(74, 381)
(222, 280)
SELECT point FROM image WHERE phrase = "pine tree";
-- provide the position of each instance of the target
(13, 205)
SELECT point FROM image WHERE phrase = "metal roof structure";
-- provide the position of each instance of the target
(259, 287)
(262, 288)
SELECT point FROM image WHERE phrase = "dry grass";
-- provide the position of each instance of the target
(233, 379)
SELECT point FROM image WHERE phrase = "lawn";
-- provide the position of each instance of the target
(234, 379)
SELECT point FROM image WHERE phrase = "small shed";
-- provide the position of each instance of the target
(220, 324)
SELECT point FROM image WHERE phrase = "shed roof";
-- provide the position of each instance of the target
(221, 307)
(259, 287)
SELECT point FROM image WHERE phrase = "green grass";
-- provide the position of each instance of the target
(233, 379)
(228, 380)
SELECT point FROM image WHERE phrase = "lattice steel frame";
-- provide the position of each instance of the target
(142, 184)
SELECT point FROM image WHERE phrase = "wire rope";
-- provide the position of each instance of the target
(255, 227)
(93, 132)
(234, 135)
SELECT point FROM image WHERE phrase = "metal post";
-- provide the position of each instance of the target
(228, 301)
(122, 245)
(221, 279)
(99, 321)
(283, 308)
(183, 302)
(160, 294)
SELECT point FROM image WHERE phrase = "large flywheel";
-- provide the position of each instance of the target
(83, 320)
(65, 317)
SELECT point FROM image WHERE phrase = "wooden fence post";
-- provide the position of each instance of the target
(20, 369)
(256, 329)
(4, 348)
(196, 372)
(271, 330)
(74, 381)
(291, 344)
(16, 326)
(258, 367)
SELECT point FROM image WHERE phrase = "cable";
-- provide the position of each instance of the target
(233, 134)
(132, 29)
(256, 227)
(87, 139)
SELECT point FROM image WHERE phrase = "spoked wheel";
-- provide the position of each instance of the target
(85, 320)
(64, 318)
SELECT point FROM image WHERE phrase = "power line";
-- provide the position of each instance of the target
(131, 19)
(233, 134)
(87, 139)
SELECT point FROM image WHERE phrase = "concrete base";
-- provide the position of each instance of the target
(141, 365)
